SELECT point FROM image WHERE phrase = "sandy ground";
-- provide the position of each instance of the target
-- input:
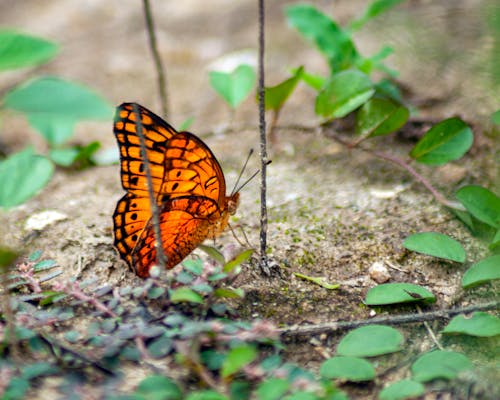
(332, 212)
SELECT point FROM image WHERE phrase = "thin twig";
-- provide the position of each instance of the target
(395, 160)
(331, 327)
(263, 146)
(52, 342)
(162, 81)
(430, 331)
(161, 258)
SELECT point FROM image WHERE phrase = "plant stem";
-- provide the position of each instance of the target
(264, 265)
(330, 327)
(162, 81)
(403, 164)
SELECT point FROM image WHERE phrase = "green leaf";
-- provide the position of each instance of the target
(481, 203)
(159, 387)
(18, 50)
(446, 141)
(479, 324)
(16, 389)
(228, 293)
(206, 395)
(380, 117)
(184, 294)
(481, 272)
(53, 106)
(375, 8)
(35, 370)
(237, 358)
(64, 157)
(436, 245)
(495, 243)
(335, 44)
(343, 93)
(393, 293)
(22, 175)
(318, 281)
(314, 81)
(349, 368)
(272, 389)
(370, 341)
(186, 124)
(238, 260)
(213, 253)
(405, 389)
(389, 89)
(495, 117)
(275, 96)
(7, 257)
(439, 364)
(234, 86)
(194, 266)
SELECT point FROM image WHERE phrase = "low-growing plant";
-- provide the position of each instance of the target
(52, 107)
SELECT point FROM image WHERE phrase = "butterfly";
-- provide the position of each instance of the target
(188, 185)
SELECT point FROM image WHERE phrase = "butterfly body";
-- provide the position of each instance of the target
(188, 185)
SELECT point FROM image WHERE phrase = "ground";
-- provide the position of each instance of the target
(332, 212)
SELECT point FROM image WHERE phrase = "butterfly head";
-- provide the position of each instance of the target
(233, 202)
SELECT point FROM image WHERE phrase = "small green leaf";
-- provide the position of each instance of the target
(184, 294)
(349, 368)
(318, 281)
(53, 106)
(159, 387)
(213, 253)
(370, 341)
(234, 86)
(343, 93)
(238, 260)
(393, 293)
(44, 265)
(186, 124)
(332, 41)
(193, 266)
(439, 364)
(275, 96)
(380, 117)
(481, 272)
(479, 324)
(228, 293)
(436, 245)
(237, 358)
(16, 389)
(446, 141)
(481, 203)
(405, 389)
(495, 117)
(18, 50)
(35, 370)
(272, 389)
(314, 81)
(63, 157)
(495, 243)
(205, 395)
(22, 175)
(374, 8)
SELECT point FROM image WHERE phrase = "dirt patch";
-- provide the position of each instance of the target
(332, 212)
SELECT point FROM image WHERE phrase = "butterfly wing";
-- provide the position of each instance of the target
(184, 223)
(182, 166)
(156, 132)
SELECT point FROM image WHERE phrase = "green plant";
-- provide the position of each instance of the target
(52, 107)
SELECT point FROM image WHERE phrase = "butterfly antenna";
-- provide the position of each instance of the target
(249, 179)
(241, 173)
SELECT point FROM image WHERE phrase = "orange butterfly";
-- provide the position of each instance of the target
(188, 185)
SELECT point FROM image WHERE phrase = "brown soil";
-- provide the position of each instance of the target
(332, 212)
